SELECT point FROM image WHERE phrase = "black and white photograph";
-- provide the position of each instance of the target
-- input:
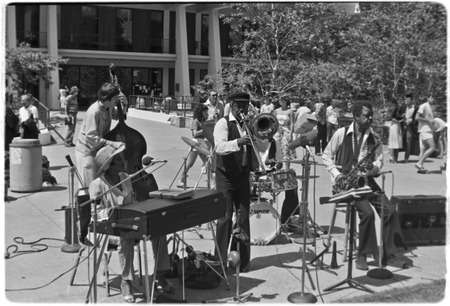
(279, 152)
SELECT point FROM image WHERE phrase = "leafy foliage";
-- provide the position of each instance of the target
(317, 50)
(25, 66)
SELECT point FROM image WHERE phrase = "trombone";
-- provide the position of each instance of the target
(264, 126)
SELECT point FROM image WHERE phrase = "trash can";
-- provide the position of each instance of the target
(25, 163)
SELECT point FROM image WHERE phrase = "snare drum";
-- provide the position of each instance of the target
(264, 223)
(261, 182)
(283, 180)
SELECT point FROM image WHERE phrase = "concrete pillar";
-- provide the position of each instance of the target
(11, 31)
(52, 47)
(215, 56)
(182, 61)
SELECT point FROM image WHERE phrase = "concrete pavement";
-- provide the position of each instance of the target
(41, 274)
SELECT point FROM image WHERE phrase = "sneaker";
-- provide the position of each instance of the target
(361, 263)
(180, 184)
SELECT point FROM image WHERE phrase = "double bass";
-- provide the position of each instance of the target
(135, 148)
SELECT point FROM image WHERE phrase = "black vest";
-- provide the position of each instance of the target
(345, 155)
(232, 163)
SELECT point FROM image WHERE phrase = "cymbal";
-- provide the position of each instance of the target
(195, 145)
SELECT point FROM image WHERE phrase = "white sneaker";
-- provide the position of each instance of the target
(203, 170)
(180, 184)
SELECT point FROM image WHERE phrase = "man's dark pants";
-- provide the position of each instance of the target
(237, 194)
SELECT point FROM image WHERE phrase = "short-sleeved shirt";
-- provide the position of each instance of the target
(426, 112)
(439, 124)
(26, 112)
(72, 104)
(215, 112)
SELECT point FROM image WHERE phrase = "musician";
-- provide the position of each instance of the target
(348, 146)
(234, 160)
(96, 124)
(112, 170)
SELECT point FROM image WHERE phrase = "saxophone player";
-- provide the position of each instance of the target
(348, 146)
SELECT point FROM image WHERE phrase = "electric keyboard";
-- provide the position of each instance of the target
(156, 217)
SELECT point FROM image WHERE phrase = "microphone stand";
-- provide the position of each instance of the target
(302, 297)
(73, 247)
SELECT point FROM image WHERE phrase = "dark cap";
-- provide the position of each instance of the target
(239, 97)
(73, 89)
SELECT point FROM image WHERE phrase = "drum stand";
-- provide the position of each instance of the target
(312, 227)
(184, 167)
(302, 297)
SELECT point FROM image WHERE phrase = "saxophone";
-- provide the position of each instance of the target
(357, 177)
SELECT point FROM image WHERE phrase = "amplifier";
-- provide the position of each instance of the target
(422, 218)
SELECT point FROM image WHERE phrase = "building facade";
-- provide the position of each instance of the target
(159, 49)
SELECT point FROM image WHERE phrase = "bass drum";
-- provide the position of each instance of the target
(264, 223)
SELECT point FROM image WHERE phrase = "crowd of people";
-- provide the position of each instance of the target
(223, 130)
(416, 130)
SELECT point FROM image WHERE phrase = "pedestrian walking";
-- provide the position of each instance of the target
(71, 111)
(425, 118)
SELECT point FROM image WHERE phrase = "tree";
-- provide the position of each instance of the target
(283, 45)
(397, 48)
(25, 66)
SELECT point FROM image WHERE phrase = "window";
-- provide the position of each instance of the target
(204, 47)
(124, 30)
(156, 31)
(190, 25)
(147, 81)
(89, 28)
(27, 24)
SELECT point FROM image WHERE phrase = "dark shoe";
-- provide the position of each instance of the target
(69, 144)
(127, 294)
(361, 263)
(166, 287)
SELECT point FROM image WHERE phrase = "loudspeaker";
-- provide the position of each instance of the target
(71, 220)
(422, 218)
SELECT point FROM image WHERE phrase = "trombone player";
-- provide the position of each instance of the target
(235, 160)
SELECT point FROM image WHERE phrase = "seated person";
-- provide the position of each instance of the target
(347, 146)
(111, 171)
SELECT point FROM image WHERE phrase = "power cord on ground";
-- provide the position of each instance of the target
(34, 245)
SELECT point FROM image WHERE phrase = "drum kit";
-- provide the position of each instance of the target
(265, 221)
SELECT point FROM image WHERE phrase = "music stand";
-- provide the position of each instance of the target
(350, 197)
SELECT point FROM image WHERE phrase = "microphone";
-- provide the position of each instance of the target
(149, 161)
(303, 141)
(146, 160)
